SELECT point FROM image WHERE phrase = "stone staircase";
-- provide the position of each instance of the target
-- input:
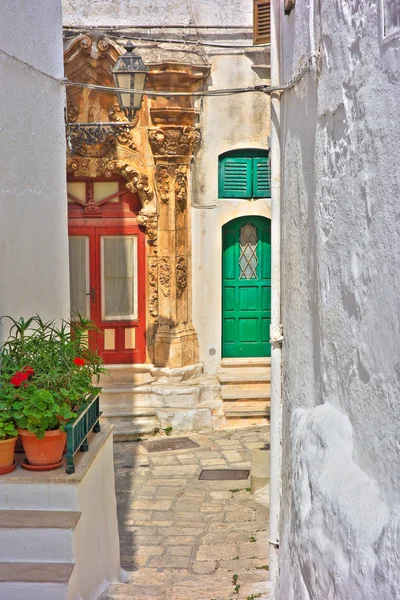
(140, 399)
(124, 401)
(245, 390)
(36, 554)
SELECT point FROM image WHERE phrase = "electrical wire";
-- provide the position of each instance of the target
(222, 92)
(172, 41)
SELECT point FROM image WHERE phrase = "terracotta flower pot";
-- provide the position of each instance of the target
(47, 451)
(7, 448)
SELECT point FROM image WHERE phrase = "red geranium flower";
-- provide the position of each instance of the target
(79, 361)
(28, 371)
(18, 378)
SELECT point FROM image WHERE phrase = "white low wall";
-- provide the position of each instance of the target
(93, 545)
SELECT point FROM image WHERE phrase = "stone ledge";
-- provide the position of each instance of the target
(83, 462)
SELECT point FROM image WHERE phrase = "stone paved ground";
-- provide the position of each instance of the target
(185, 539)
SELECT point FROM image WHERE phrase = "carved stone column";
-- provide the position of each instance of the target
(176, 343)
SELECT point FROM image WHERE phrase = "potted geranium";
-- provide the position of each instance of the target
(8, 438)
(46, 375)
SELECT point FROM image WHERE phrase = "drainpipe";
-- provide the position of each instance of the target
(276, 327)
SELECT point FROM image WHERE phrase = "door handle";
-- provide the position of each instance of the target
(92, 294)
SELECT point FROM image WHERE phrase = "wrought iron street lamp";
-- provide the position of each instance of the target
(130, 73)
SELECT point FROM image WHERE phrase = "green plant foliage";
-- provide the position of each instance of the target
(47, 371)
(7, 423)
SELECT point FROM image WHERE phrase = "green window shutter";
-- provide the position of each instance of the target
(261, 178)
(235, 177)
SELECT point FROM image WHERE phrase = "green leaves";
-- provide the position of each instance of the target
(7, 424)
(53, 384)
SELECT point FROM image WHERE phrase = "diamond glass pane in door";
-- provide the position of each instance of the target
(248, 260)
(79, 275)
(119, 277)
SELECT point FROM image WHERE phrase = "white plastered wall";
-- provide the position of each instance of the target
(228, 123)
(157, 12)
(340, 523)
(33, 220)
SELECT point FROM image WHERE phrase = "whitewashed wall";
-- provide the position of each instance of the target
(33, 224)
(340, 518)
(157, 12)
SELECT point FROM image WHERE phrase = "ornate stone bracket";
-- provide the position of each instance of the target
(174, 140)
(149, 222)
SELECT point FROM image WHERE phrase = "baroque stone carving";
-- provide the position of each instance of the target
(163, 181)
(181, 275)
(174, 140)
(164, 274)
(149, 222)
(117, 115)
(181, 187)
(91, 141)
(153, 294)
(86, 44)
(92, 209)
(72, 111)
(136, 182)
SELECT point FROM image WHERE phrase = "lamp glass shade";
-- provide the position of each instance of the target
(130, 73)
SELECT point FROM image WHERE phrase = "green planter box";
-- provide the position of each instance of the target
(87, 419)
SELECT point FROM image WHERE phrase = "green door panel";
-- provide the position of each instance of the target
(246, 293)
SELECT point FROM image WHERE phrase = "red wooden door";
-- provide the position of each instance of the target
(107, 280)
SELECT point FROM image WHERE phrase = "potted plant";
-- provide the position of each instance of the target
(46, 375)
(8, 438)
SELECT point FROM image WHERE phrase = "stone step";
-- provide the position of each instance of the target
(244, 375)
(119, 414)
(29, 544)
(35, 572)
(37, 535)
(134, 374)
(124, 392)
(247, 409)
(36, 590)
(38, 519)
(132, 429)
(130, 398)
(234, 363)
(234, 392)
(241, 422)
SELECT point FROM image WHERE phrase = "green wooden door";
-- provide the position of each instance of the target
(246, 291)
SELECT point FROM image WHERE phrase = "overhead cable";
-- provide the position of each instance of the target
(222, 92)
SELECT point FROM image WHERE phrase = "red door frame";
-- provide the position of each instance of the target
(115, 218)
(119, 355)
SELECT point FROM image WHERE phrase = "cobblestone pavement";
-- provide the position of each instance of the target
(185, 539)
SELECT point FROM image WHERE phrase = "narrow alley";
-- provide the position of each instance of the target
(188, 539)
